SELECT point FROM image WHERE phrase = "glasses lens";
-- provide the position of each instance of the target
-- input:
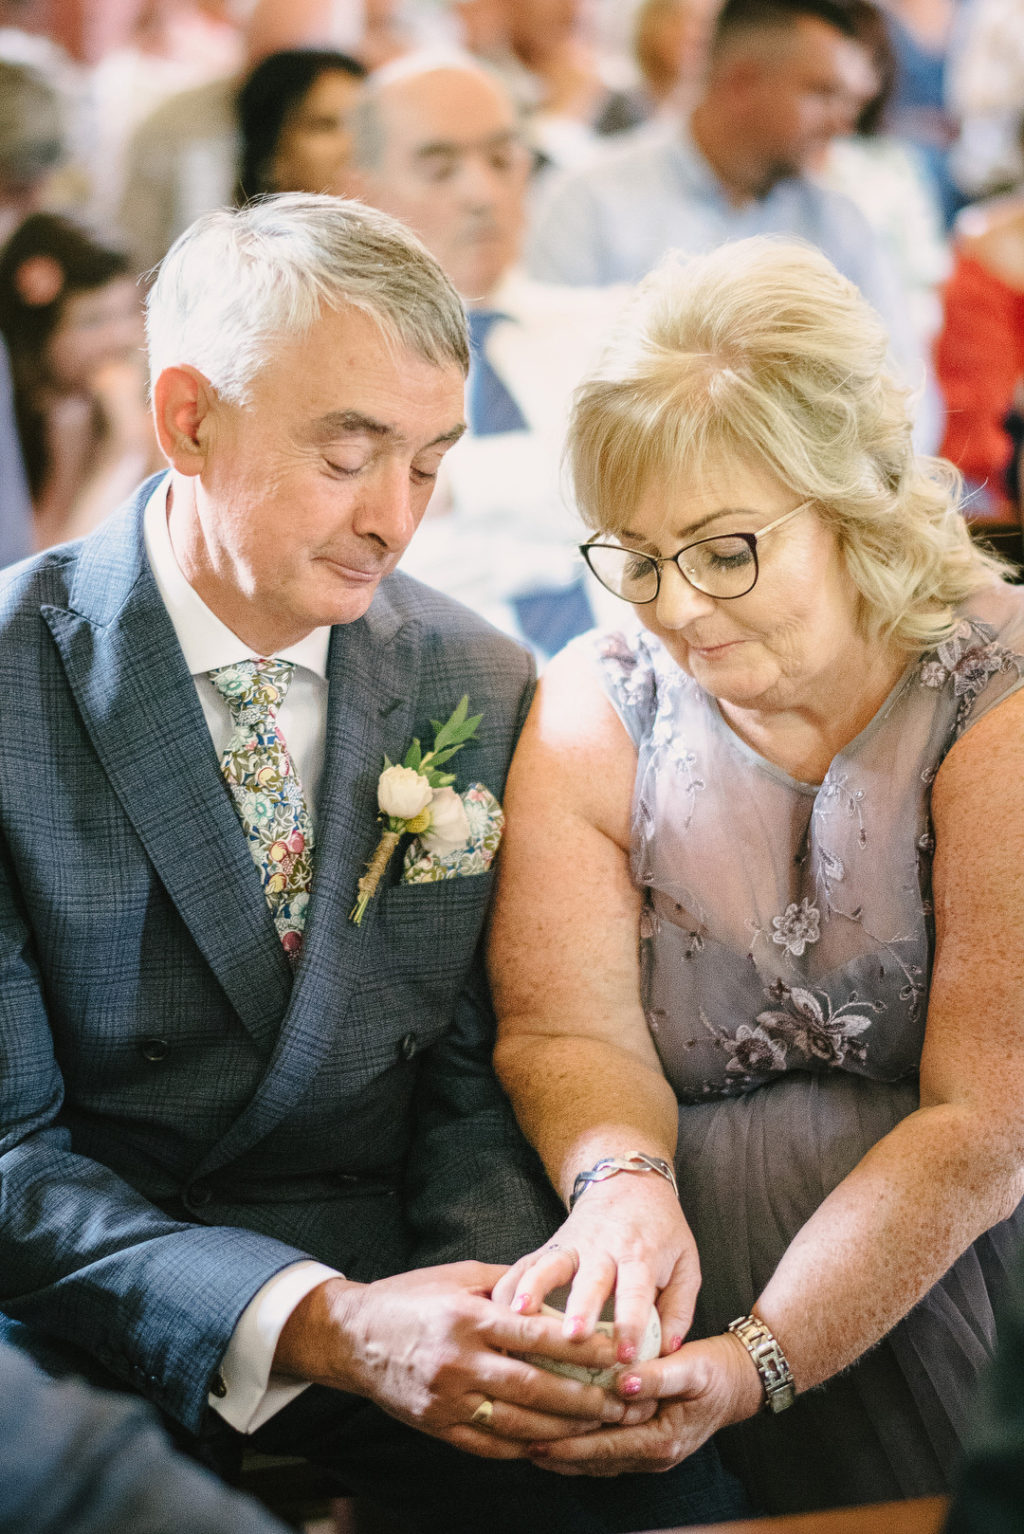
(631, 576)
(722, 567)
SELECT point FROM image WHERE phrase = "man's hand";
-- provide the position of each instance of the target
(430, 1347)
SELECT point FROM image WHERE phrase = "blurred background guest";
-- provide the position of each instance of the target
(890, 183)
(986, 86)
(438, 144)
(182, 159)
(980, 353)
(71, 321)
(293, 117)
(669, 43)
(921, 35)
(785, 77)
(169, 46)
(32, 147)
(15, 505)
(32, 141)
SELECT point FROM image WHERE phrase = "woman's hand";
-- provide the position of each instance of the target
(702, 1387)
(626, 1236)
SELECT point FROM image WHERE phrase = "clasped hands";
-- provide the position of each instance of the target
(431, 1347)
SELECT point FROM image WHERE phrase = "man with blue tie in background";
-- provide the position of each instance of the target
(231, 1119)
(437, 143)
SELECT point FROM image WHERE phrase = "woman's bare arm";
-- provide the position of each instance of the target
(574, 1052)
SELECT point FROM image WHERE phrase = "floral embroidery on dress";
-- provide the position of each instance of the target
(756, 1052)
(812, 1026)
(804, 1021)
(968, 657)
(622, 660)
(796, 927)
(836, 791)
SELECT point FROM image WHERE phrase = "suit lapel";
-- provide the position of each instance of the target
(139, 705)
(373, 683)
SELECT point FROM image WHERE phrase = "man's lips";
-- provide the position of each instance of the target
(357, 573)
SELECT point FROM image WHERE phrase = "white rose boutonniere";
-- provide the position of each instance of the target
(449, 823)
(415, 796)
(403, 793)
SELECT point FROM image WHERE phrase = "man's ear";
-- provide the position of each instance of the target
(182, 404)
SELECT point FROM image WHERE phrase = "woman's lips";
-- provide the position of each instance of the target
(710, 652)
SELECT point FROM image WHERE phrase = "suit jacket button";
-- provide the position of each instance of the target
(154, 1050)
(218, 1387)
(409, 1046)
(200, 1194)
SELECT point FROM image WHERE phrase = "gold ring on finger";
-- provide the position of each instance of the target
(483, 1415)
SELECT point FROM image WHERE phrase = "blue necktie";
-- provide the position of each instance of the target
(491, 407)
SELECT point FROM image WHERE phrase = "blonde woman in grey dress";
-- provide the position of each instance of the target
(758, 925)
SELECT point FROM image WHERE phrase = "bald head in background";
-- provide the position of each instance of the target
(437, 144)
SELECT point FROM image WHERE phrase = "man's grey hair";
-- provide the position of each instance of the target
(240, 279)
(366, 124)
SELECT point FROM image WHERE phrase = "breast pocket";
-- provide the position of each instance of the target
(432, 928)
(425, 938)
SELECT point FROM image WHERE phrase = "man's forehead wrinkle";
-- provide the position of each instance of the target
(347, 423)
(350, 423)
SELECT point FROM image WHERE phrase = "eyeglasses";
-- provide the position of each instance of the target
(724, 567)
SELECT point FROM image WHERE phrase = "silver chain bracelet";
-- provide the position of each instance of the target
(633, 1161)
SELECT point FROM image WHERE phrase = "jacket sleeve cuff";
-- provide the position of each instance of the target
(245, 1391)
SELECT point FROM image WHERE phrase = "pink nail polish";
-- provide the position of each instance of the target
(574, 1327)
(630, 1384)
(627, 1352)
(522, 1302)
(675, 1343)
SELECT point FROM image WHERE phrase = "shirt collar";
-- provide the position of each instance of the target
(205, 641)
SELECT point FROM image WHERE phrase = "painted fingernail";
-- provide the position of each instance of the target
(522, 1302)
(674, 1344)
(631, 1385)
(575, 1326)
(627, 1352)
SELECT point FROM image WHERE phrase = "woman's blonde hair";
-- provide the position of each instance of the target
(761, 355)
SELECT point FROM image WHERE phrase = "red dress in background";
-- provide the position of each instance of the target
(979, 358)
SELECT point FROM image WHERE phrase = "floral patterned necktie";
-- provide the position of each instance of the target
(266, 791)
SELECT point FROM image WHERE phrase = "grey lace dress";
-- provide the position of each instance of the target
(786, 941)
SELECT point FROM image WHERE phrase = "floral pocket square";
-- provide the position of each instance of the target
(463, 838)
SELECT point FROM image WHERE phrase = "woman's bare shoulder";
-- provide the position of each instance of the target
(575, 749)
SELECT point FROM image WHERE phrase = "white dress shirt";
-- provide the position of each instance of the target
(501, 524)
(253, 1393)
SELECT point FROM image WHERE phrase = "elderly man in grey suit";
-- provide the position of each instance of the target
(233, 1121)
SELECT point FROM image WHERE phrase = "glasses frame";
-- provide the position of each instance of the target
(658, 560)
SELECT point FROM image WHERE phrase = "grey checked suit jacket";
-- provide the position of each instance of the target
(179, 1118)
